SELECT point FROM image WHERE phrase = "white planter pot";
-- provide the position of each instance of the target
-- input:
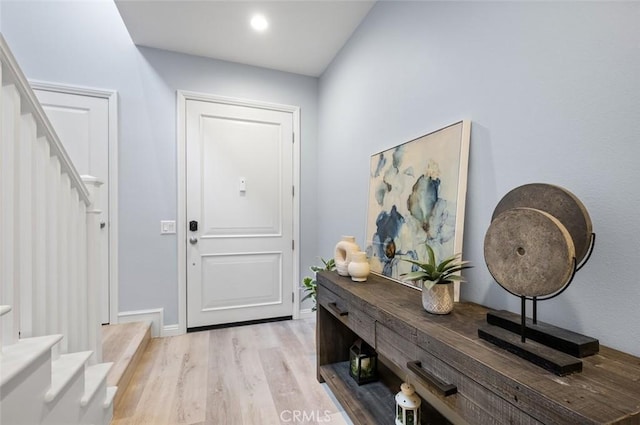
(438, 299)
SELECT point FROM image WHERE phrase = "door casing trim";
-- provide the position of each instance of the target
(181, 221)
(112, 99)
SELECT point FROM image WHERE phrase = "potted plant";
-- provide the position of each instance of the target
(437, 280)
(310, 285)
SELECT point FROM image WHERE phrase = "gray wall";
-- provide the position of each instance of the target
(553, 91)
(86, 44)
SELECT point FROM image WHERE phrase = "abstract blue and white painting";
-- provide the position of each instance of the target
(416, 196)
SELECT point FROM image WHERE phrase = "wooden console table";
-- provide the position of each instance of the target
(464, 378)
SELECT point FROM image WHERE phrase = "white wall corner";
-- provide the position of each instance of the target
(155, 316)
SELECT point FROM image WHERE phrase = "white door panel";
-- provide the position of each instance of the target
(237, 159)
(82, 124)
(239, 190)
(240, 275)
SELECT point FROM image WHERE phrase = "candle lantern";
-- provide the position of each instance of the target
(363, 362)
(407, 406)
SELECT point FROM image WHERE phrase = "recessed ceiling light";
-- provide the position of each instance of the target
(259, 23)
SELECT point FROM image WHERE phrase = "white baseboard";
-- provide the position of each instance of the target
(307, 313)
(171, 330)
(155, 316)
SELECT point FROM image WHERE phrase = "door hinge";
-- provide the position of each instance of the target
(293, 297)
(293, 191)
(293, 137)
(293, 244)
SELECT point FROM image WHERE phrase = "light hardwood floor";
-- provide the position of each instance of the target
(258, 374)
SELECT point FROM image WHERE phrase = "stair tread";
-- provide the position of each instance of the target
(63, 370)
(121, 344)
(124, 344)
(94, 377)
(18, 356)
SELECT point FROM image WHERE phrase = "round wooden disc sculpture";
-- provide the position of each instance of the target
(529, 252)
(558, 202)
(538, 233)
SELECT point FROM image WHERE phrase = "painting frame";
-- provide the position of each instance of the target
(417, 195)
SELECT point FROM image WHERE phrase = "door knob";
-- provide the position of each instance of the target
(193, 240)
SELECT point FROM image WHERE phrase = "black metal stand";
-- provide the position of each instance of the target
(555, 349)
(548, 358)
(560, 339)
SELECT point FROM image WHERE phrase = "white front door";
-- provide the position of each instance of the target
(239, 168)
(82, 124)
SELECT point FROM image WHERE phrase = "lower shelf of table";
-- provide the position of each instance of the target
(372, 403)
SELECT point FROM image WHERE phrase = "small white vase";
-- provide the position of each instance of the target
(342, 257)
(438, 299)
(359, 266)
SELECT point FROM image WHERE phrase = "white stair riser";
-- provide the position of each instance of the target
(22, 398)
(34, 390)
(64, 410)
(94, 412)
(95, 394)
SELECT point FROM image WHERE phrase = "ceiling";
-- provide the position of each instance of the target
(303, 36)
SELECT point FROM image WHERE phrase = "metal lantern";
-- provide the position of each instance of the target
(363, 362)
(407, 406)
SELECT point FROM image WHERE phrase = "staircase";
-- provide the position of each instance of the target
(50, 339)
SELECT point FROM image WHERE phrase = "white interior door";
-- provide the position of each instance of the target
(239, 168)
(82, 124)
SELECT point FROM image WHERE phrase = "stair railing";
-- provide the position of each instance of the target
(49, 227)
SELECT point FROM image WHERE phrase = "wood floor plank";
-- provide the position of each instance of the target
(221, 386)
(190, 399)
(258, 374)
(160, 391)
(300, 359)
(236, 375)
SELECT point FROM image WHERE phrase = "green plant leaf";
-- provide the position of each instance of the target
(437, 273)
(446, 261)
(418, 275)
(457, 269)
(432, 256)
(424, 266)
(310, 285)
(330, 264)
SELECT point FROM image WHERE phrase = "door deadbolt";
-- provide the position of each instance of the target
(193, 226)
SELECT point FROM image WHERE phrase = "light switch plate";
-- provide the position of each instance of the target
(167, 227)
